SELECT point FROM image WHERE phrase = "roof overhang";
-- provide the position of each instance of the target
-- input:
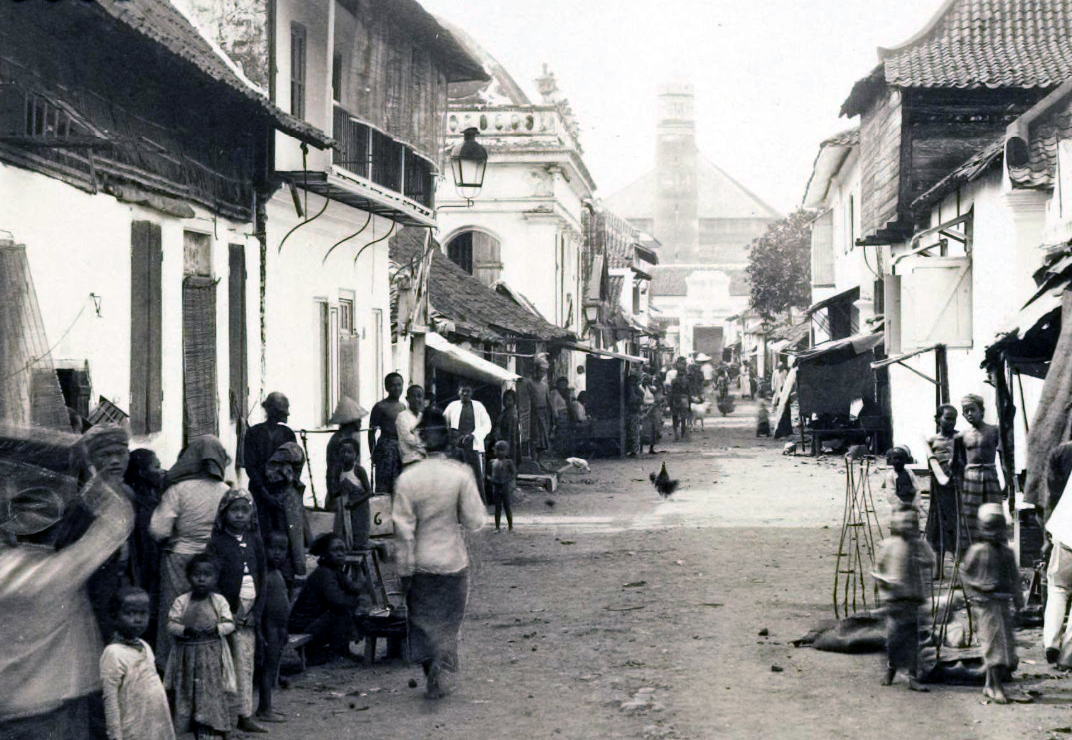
(839, 350)
(827, 165)
(601, 352)
(845, 296)
(460, 361)
(358, 192)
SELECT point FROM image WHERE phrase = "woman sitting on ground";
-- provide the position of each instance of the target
(328, 603)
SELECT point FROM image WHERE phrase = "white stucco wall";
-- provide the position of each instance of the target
(297, 280)
(316, 16)
(78, 243)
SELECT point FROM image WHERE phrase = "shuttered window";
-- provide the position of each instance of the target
(934, 303)
(348, 377)
(297, 70)
(145, 328)
(199, 357)
(237, 338)
(822, 251)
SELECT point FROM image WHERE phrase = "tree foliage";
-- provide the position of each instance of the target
(779, 265)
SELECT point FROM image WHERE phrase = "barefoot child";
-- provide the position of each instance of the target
(200, 670)
(903, 559)
(135, 705)
(273, 624)
(992, 583)
(236, 547)
(503, 480)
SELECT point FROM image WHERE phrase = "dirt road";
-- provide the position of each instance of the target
(610, 613)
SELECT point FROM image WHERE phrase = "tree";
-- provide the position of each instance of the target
(779, 265)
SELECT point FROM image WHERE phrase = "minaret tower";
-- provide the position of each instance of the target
(677, 223)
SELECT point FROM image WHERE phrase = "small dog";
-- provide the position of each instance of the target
(579, 464)
(790, 448)
(699, 411)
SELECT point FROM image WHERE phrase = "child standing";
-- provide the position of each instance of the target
(200, 670)
(903, 559)
(273, 623)
(353, 513)
(762, 420)
(503, 480)
(237, 549)
(900, 483)
(993, 586)
(135, 705)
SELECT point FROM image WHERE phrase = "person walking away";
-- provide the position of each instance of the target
(386, 455)
(981, 482)
(469, 417)
(135, 704)
(992, 585)
(273, 624)
(280, 508)
(237, 549)
(353, 515)
(902, 561)
(409, 442)
(680, 400)
(261, 440)
(503, 482)
(945, 462)
(183, 521)
(50, 677)
(435, 500)
(200, 670)
(348, 415)
(145, 478)
(327, 607)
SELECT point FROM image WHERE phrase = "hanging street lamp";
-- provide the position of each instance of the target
(469, 162)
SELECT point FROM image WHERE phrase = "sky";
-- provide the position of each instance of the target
(770, 75)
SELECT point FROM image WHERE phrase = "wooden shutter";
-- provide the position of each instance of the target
(146, 327)
(199, 357)
(348, 377)
(936, 303)
(236, 323)
(822, 251)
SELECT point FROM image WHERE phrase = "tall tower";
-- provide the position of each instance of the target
(677, 223)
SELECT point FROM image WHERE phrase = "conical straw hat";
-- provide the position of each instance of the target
(347, 411)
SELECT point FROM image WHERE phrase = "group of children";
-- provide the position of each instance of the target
(906, 562)
(237, 597)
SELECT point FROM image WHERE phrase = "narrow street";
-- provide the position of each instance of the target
(615, 614)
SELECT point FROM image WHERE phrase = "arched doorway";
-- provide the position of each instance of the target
(477, 253)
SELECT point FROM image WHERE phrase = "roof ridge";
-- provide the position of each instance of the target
(759, 201)
(928, 28)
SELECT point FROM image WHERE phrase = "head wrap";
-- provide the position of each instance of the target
(235, 494)
(204, 457)
(288, 459)
(102, 436)
(973, 398)
(30, 511)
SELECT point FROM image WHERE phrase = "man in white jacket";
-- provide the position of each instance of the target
(471, 421)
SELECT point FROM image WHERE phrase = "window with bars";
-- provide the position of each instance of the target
(297, 69)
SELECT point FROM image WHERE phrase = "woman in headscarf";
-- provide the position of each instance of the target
(145, 478)
(280, 509)
(183, 521)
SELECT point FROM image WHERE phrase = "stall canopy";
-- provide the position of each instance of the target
(834, 374)
(602, 352)
(454, 359)
(839, 350)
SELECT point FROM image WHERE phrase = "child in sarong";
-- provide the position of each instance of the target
(353, 514)
(503, 480)
(135, 705)
(200, 670)
(992, 582)
(944, 461)
(900, 484)
(902, 561)
(980, 482)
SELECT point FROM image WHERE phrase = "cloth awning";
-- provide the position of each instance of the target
(845, 296)
(459, 361)
(602, 352)
(838, 350)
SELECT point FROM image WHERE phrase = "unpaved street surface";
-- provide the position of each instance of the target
(610, 613)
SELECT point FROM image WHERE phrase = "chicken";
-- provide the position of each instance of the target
(662, 482)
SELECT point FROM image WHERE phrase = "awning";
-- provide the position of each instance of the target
(792, 335)
(602, 352)
(454, 359)
(846, 296)
(831, 352)
(902, 357)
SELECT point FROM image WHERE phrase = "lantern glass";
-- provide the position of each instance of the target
(468, 164)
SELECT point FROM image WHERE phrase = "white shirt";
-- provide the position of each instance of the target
(453, 413)
(434, 500)
(409, 442)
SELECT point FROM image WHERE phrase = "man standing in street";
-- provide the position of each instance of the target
(262, 440)
(473, 424)
(409, 442)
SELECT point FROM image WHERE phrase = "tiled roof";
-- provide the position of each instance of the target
(672, 280)
(1042, 150)
(978, 164)
(473, 307)
(615, 284)
(162, 23)
(987, 43)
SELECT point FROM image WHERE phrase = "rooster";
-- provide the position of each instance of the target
(662, 482)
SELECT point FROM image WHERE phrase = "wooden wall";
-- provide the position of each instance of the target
(880, 161)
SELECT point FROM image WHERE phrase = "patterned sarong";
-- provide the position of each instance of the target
(980, 487)
(387, 463)
(435, 610)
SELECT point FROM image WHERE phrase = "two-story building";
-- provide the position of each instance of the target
(127, 200)
(375, 76)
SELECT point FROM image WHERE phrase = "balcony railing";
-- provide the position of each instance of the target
(369, 153)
